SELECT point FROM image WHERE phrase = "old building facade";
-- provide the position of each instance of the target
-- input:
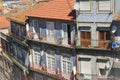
(94, 47)
(45, 42)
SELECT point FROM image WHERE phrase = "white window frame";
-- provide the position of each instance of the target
(64, 25)
(34, 22)
(104, 9)
(36, 56)
(50, 32)
(86, 6)
(67, 61)
(51, 55)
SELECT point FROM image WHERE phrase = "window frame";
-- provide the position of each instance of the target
(51, 56)
(67, 61)
(64, 34)
(87, 11)
(104, 35)
(38, 58)
(50, 32)
(104, 11)
(86, 37)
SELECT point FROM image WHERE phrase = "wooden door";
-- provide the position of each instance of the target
(104, 37)
(85, 38)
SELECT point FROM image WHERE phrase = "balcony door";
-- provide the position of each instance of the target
(64, 34)
(85, 38)
(104, 37)
(37, 57)
(50, 31)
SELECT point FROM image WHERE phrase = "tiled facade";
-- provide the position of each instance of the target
(94, 18)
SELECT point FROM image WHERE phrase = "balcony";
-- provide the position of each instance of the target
(95, 44)
(52, 40)
(44, 70)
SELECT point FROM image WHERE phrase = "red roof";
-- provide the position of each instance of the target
(54, 9)
(4, 23)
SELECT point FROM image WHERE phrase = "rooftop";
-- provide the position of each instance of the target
(4, 23)
(19, 17)
(54, 9)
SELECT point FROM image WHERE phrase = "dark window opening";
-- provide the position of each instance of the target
(69, 33)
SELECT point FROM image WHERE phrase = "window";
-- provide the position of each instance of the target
(51, 59)
(42, 28)
(85, 38)
(66, 64)
(37, 56)
(12, 27)
(50, 29)
(34, 26)
(58, 30)
(5, 45)
(19, 53)
(64, 28)
(85, 65)
(24, 54)
(104, 35)
(85, 5)
(38, 77)
(85, 35)
(101, 66)
(23, 31)
(104, 5)
(14, 49)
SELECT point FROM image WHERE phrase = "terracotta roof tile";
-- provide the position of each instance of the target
(4, 23)
(55, 9)
(19, 17)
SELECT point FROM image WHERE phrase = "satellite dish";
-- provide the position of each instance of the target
(114, 29)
